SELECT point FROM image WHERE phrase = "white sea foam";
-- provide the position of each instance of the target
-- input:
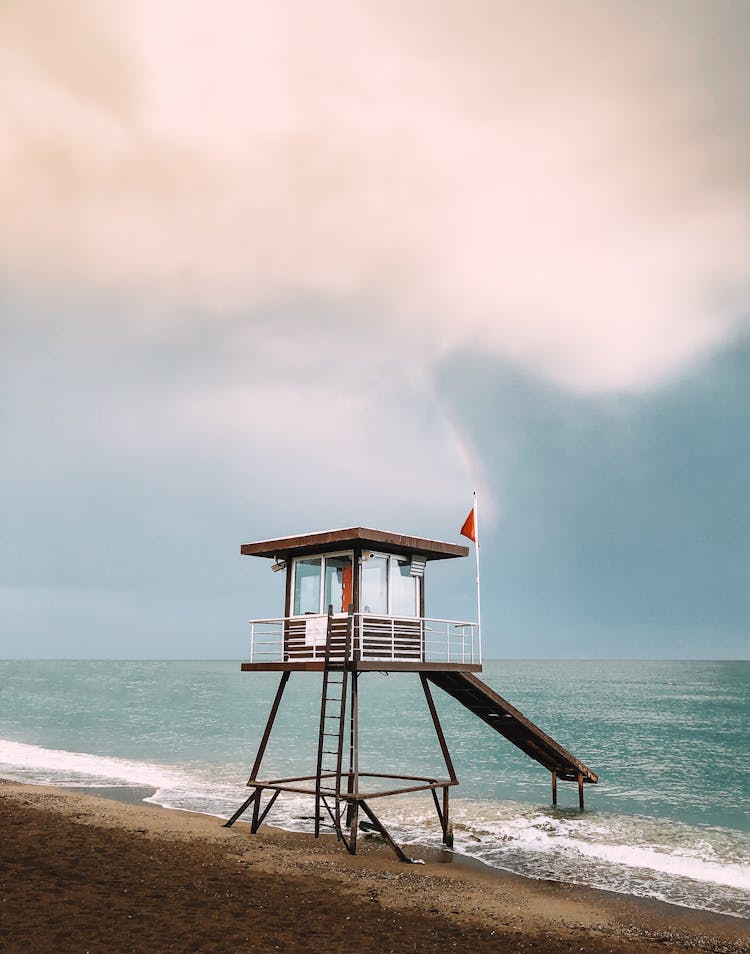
(60, 767)
(697, 867)
(624, 842)
(199, 790)
(685, 864)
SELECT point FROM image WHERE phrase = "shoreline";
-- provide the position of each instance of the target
(430, 854)
(288, 889)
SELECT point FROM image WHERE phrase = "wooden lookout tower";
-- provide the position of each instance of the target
(355, 603)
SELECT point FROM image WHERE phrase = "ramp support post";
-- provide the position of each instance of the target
(580, 790)
(554, 787)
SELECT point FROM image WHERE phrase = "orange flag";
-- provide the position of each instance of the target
(469, 528)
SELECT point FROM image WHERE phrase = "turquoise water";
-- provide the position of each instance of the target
(670, 818)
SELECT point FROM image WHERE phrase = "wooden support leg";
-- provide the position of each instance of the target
(269, 726)
(554, 787)
(254, 799)
(580, 790)
(443, 814)
(352, 786)
(438, 728)
(254, 825)
(353, 812)
(351, 805)
(258, 819)
(447, 823)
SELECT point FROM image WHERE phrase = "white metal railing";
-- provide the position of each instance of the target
(374, 637)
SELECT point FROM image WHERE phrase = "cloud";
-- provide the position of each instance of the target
(146, 424)
(560, 187)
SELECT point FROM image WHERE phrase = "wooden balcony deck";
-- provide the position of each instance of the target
(363, 665)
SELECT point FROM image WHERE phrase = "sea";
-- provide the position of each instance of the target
(670, 741)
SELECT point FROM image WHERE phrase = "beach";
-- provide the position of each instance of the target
(84, 873)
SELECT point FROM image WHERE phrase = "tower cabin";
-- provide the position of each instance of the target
(355, 602)
(374, 583)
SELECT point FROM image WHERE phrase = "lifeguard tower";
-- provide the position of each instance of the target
(355, 603)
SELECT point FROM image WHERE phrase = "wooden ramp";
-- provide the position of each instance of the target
(515, 727)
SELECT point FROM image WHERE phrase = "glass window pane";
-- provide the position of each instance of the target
(338, 584)
(403, 590)
(374, 597)
(306, 586)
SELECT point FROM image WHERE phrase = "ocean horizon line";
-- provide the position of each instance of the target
(486, 659)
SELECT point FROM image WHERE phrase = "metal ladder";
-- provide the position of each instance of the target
(332, 730)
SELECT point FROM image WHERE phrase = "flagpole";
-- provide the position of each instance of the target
(476, 551)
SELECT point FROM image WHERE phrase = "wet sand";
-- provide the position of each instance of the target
(82, 873)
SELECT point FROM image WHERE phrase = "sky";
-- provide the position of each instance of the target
(269, 268)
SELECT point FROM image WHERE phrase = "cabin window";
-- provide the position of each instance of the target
(307, 586)
(403, 589)
(375, 585)
(320, 582)
(388, 588)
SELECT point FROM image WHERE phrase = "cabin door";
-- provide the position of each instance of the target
(338, 590)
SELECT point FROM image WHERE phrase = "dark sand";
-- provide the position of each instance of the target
(79, 873)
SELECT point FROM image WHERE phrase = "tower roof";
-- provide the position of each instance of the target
(328, 540)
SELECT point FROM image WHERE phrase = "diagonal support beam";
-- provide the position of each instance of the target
(259, 819)
(252, 799)
(384, 832)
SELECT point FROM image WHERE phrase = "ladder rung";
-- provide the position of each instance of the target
(331, 735)
(329, 752)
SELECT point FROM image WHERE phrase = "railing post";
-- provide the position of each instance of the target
(252, 641)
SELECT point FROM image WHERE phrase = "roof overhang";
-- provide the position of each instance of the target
(354, 538)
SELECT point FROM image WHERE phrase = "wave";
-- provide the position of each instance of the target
(60, 767)
(199, 790)
(636, 842)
